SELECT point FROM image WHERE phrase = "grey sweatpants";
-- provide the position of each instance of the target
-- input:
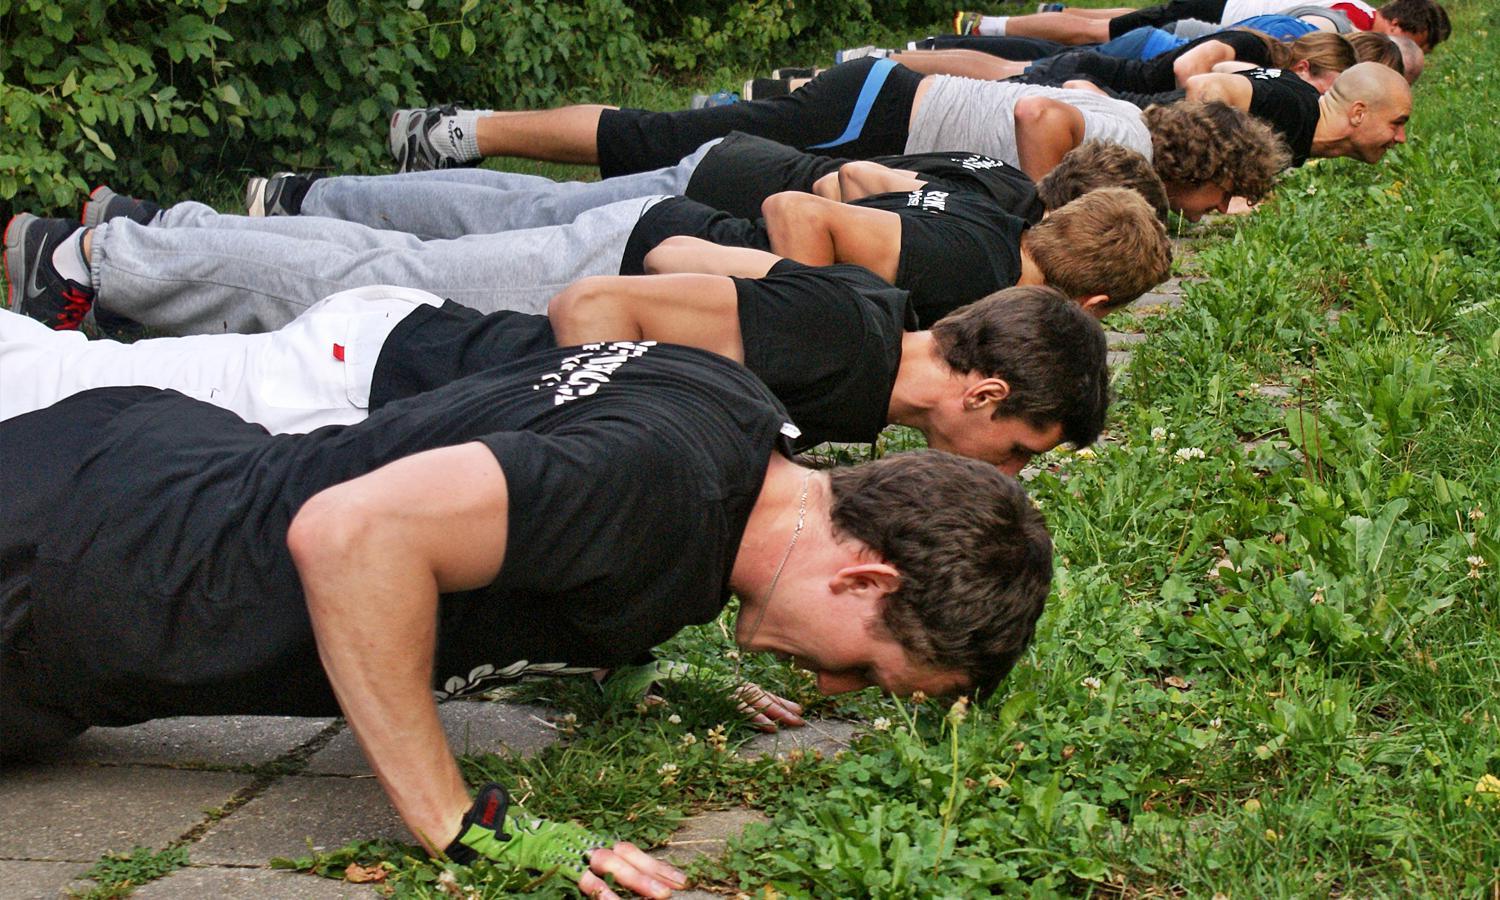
(195, 271)
(451, 203)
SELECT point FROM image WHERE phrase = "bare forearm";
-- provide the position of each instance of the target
(962, 63)
(358, 602)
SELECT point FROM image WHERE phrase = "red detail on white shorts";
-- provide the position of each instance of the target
(338, 352)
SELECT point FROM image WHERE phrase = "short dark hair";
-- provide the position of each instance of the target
(1053, 355)
(1422, 17)
(974, 555)
(1096, 164)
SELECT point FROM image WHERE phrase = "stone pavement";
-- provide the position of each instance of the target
(239, 790)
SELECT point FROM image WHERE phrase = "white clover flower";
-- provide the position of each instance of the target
(1187, 453)
(688, 739)
(1158, 434)
(881, 724)
(667, 769)
(1477, 562)
(675, 719)
(1092, 683)
(1216, 723)
(1086, 453)
(1476, 514)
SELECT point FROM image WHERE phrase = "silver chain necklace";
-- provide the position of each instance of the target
(776, 577)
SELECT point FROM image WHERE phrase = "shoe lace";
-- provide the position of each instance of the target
(76, 304)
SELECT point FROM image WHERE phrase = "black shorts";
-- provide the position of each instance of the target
(53, 443)
(855, 110)
(1162, 16)
(1004, 46)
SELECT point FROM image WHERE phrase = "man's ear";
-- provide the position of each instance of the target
(986, 392)
(1096, 305)
(1303, 66)
(866, 581)
(1357, 111)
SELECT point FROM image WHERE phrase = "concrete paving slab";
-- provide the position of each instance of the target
(1156, 300)
(706, 834)
(25, 879)
(827, 736)
(1118, 340)
(296, 811)
(195, 741)
(472, 727)
(196, 883)
(82, 812)
(1117, 358)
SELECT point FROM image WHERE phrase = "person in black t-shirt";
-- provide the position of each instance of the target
(1361, 115)
(226, 273)
(830, 342)
(734, 174)
(568, 510)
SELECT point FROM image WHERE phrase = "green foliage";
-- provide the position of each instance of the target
(117, 875)
(156, 95)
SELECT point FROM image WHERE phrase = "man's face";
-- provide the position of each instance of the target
(1008, 442)
(1382, 127)
(1194, 201)
(1386, 26)
(848, 653)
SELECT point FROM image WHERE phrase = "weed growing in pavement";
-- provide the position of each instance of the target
(117, 875)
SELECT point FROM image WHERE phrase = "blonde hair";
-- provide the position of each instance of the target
(1108, 241)
(1324, 52)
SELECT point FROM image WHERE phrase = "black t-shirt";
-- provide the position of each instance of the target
(826, 340)
(680, 215)
(150, 542)
(956, 247)
(743, 170)
(1288, 104)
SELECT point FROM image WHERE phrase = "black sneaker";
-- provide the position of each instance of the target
(36, 289)
(279, 195)
(411, 146)
(104, 204)
(795, 72)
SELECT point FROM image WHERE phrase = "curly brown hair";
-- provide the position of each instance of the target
(1194, 142)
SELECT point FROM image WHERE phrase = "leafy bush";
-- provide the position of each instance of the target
(156, 95)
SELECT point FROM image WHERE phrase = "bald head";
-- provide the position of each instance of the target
(1370, 103)
(1372, 84)
(1412, 57)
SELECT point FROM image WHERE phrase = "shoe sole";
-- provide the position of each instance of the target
(398, 127)
(95, 207)
(15, 256)
(255, 196)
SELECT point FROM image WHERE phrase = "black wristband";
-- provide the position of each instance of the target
(487, 811)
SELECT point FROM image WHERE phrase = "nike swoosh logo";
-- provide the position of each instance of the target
(36, 269)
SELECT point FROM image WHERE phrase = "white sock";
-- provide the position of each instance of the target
(993, 25)
(68, 259)
(456, 137)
